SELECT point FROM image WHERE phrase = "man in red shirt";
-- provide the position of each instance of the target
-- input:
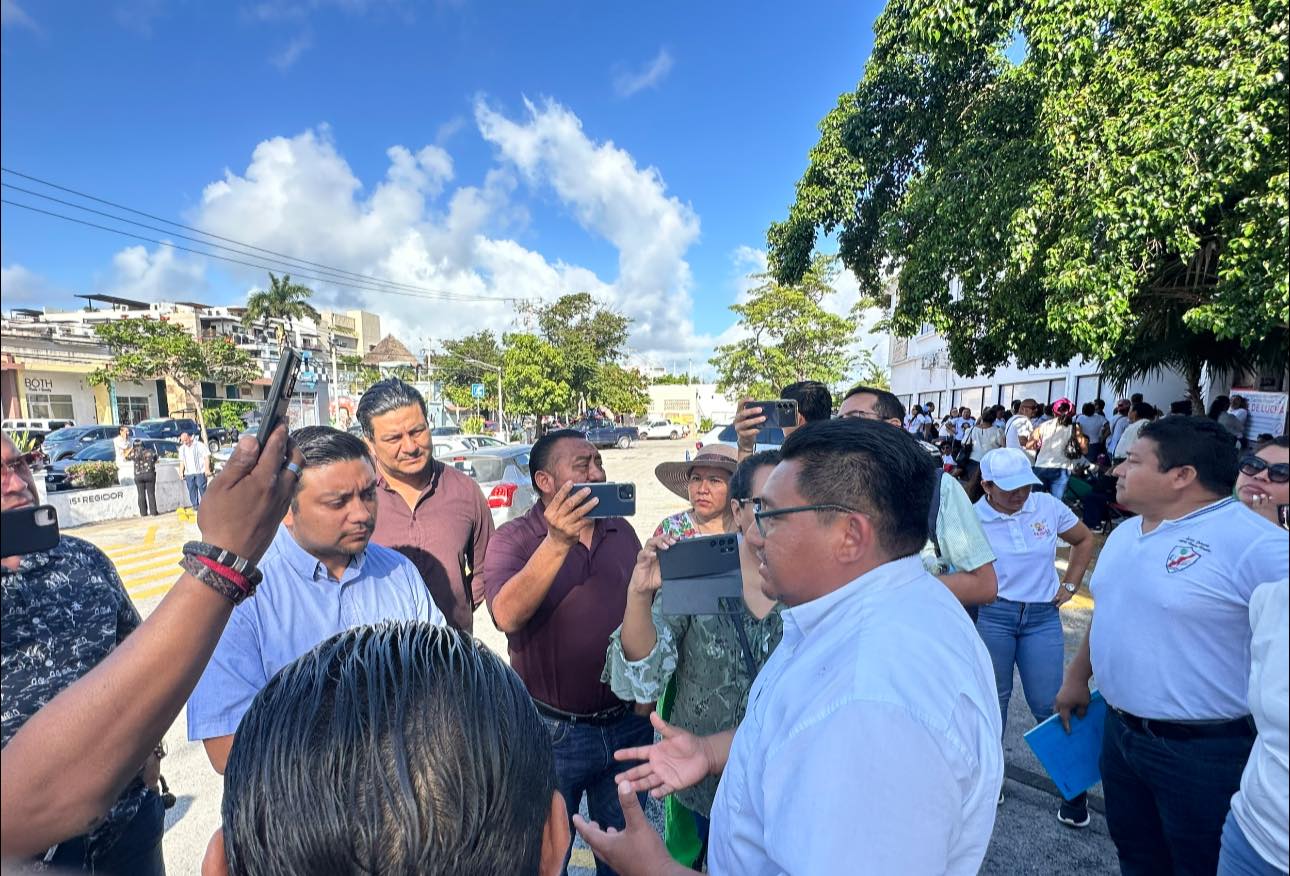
(430, 512)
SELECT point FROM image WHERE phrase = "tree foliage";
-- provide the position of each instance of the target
(458, 373)
(534, 377)
(675, 380)
(790, 336)
(621, 390)
(588, 337)
(1119, 192)
(146, 349)
(283, 300)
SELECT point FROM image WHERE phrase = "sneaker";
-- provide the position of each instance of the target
(1074, 813)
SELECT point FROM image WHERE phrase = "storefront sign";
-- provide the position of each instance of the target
(38, 384)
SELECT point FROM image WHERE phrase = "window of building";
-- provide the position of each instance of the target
(232, 391)
(49, 406)
(131, 409)
(208, 390)
(937, 398)
(1040, 390)
(973, 398)
(1088, 387)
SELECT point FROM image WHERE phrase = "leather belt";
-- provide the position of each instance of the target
(595, 719)
(1183, 730)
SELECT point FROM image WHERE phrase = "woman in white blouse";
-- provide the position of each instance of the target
(1023, 627)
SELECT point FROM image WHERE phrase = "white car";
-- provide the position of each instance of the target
(455, 445)
(769, 438)
(663, 429)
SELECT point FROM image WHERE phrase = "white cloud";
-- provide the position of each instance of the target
(627, 83)
(287, 56)
(12, 15)
(17, 283)
(160, 275)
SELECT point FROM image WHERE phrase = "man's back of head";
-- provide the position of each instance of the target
(814, 401)
(400, 748)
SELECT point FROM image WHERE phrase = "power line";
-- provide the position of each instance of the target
(290, 259)
(434, 296)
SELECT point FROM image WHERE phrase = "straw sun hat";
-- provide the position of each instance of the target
(674, 475)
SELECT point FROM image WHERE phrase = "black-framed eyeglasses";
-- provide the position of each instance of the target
(860, 415)
(19, 465)
(761, 516)
(1278, 472)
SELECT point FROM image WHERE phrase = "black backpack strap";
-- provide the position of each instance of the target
(934, 512)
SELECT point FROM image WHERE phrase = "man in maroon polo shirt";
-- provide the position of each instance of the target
(431, 513)
(557, 586)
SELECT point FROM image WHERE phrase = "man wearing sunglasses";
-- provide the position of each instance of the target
(880, 684)
(1169, 644)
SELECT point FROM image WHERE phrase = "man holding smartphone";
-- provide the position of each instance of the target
(556, 583)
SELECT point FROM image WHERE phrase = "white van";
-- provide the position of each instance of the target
(38, 425)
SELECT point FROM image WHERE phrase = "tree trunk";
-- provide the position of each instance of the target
(1193, 389)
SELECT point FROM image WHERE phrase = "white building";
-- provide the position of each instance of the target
(691, 403)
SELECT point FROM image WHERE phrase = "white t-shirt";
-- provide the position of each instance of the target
(871, 737)
(1119, 423)
(1052, 453)
(1241, 414)
(917, 422)
(1025, 546)
(1092, 426)
(964, 426)
(984, 439)
(1129, 435)
(1170, 636)
(1262, 806)
(119, 447)
(193, 457)
(1018, 433)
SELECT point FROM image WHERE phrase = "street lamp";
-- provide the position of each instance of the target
(501, 419)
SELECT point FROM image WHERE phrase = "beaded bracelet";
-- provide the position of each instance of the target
(230, 560)
(193, 565)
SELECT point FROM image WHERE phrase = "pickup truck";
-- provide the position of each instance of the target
(605, 433)
(169, 428)
(664, 429)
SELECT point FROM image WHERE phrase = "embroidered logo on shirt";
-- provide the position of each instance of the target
(1182, 556)
(1041, 529)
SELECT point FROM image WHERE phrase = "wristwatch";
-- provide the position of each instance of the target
(1069, 587)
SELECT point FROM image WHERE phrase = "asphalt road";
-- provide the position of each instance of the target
(1027, 836)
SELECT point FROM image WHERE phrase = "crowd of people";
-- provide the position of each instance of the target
(847, 717)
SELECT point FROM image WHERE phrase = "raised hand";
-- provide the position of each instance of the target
(636, 849)
(678, 761)
(565, 516)
(646, 578)
(244, 505)
(748, 422)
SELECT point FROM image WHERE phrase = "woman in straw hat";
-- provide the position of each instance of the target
(699, 668)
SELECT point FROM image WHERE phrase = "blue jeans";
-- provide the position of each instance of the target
(1238, 857)
(1028, 635)
(136, 852)
(1054, 480)
(196, 484)
(584, 764)
(1166, 799)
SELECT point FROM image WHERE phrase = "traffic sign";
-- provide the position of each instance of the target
(477, 390)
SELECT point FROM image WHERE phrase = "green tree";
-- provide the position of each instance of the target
(587, 335)
(790, 336)
(622, 390)
(675, 380)
(534, 377)
(283, 300)
(1119, 192)
(146, 349)
(454, 368)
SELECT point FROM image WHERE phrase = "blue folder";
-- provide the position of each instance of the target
(1071, 760)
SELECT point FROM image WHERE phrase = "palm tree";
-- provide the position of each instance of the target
(283, 300)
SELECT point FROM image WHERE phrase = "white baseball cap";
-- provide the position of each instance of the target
(1009, 468)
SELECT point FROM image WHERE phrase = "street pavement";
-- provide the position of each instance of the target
(1027, 836)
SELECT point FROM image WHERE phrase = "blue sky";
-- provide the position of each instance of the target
(480, 149)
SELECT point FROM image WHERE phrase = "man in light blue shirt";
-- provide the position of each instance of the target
(321, 577)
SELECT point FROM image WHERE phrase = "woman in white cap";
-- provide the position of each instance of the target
(1022, 627)
(706, 663)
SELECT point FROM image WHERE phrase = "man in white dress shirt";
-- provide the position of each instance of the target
(1169, 644)
(880, 684)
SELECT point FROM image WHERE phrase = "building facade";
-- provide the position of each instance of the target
(691, 403)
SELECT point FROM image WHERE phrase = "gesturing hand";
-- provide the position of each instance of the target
(566, 515)
(636, 849)
(646, 577)
(678, 761)
(244, 505)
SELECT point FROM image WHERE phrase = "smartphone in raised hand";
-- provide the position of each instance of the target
(616, 500)
(781, 412)
(284, 384)
(28, 531)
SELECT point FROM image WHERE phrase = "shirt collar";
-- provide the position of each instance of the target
(436, 475)
(805, 618)
(1187, 518)
(307, 565)
(989, 512)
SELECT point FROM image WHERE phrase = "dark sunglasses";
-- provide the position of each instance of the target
(1278, 473)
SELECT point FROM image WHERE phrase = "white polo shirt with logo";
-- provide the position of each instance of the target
(1170, 638)
(1018, 433)
(1025, 546)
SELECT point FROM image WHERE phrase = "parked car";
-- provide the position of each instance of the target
(503, 475)
(445, 430)
(768, 438)
(99, 451)
(664, 429)
(35, 425)
(606, 433)
(64, 443)
(171, 427)
(458, 444)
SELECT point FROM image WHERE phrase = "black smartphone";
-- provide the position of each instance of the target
(275, 404)
(616, 500)
(702, 576)
(28, 531)
(779, 412)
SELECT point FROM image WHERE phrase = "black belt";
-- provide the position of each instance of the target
(1182, 730)
(595, 719)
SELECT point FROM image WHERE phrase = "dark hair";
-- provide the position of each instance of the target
(741, 480)
(1268, 441)
(1098, 403)
(1220, 405)
(874, 467)
(1088, 409)
(395, 748)
(1200, 443)
(323, 445)
(384, 396)
(1136, 398)
(886, 405)
(1182, 406)
(989, 415)
(814, 401)
(540, 452)
(1143, 410)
